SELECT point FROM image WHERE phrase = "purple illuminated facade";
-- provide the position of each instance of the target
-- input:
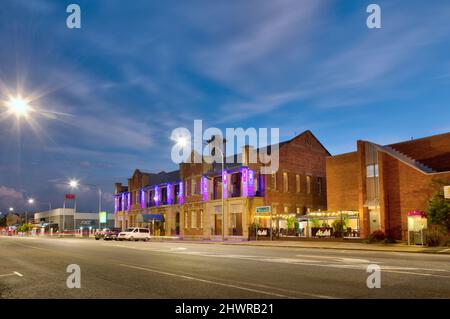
(181, 192)
(248, 182)
(143, 198)
(251, 183)
(225, 184)
(157, 197)
(169, 194)
(204, 188)
(122, 201)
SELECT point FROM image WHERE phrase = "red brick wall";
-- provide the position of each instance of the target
(343, 173)
(303, 155)
(404, 189)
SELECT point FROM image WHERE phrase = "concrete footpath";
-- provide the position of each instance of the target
(319, 244)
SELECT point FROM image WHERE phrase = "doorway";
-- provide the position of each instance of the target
(374, 216)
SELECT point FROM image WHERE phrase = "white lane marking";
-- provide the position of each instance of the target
(15, 273)
(178, 248)
(218, 283)
(444, 250)
(344, 259)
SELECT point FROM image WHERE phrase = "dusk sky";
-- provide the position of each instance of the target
(108, 95)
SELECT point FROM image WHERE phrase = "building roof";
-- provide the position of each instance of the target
(432, 151)
(163, 177)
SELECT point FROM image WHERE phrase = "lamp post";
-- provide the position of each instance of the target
(223, 187)
(74, 184)
(30, 202)
(223, 193)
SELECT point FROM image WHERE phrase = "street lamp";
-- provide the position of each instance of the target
(73, 183)
(18, 106)
(223, 192)
(30, 202)
(11, 209)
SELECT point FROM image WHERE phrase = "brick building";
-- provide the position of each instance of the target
(381, 184)
(188, 202)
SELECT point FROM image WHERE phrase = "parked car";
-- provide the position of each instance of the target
(112, 234)
(135, 234)
(107, 233)
(101, 233)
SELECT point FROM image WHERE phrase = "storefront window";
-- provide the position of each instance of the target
(194, 219)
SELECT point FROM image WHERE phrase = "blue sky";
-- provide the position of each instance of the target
(115, 89)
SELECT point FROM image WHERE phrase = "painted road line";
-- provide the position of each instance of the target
(15, 273)
(273, 294)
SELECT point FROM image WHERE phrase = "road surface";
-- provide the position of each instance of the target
(37, 268)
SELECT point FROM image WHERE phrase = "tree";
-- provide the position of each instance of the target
(2, 221)
(25, 228)
(439, 208)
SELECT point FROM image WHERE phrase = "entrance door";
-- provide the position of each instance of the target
(177, 224)
(217, 224)
(374, 215)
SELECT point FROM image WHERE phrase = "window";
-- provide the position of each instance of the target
(297, 183)
(193, 185)
(186, 220)
(201, 218)
(194, 219)
(186, 183)
(308, 184)
(274, 181)
(286, 209)
(319, 185)
(286, 182)
(298, 210)
(372, 170)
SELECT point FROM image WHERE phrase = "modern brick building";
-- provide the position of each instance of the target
(381, 184)
(188, 202)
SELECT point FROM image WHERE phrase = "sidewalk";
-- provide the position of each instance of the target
(345, 246)
(400, 247)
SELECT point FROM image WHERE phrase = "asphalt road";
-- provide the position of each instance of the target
(36, 268)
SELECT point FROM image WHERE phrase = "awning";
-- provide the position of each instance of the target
(146, 218)
(417, 213)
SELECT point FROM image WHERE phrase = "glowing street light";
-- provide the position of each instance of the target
(18, 106)
(11, 209)
(73, 183)
(31, 201)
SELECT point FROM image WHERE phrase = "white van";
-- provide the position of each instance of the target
(135, 234)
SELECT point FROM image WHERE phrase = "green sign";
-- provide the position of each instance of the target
(263, 209)
(103, 217)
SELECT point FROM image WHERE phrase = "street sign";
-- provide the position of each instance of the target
(263, 209)
(447, 192)
(103, 217)
(70, 196)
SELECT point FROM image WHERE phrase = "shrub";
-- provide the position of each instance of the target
(376, 236)
(437, 236)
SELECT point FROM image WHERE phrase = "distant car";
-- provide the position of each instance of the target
(107, 233)
(101, 233)
(135, 234)
(112, 234)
